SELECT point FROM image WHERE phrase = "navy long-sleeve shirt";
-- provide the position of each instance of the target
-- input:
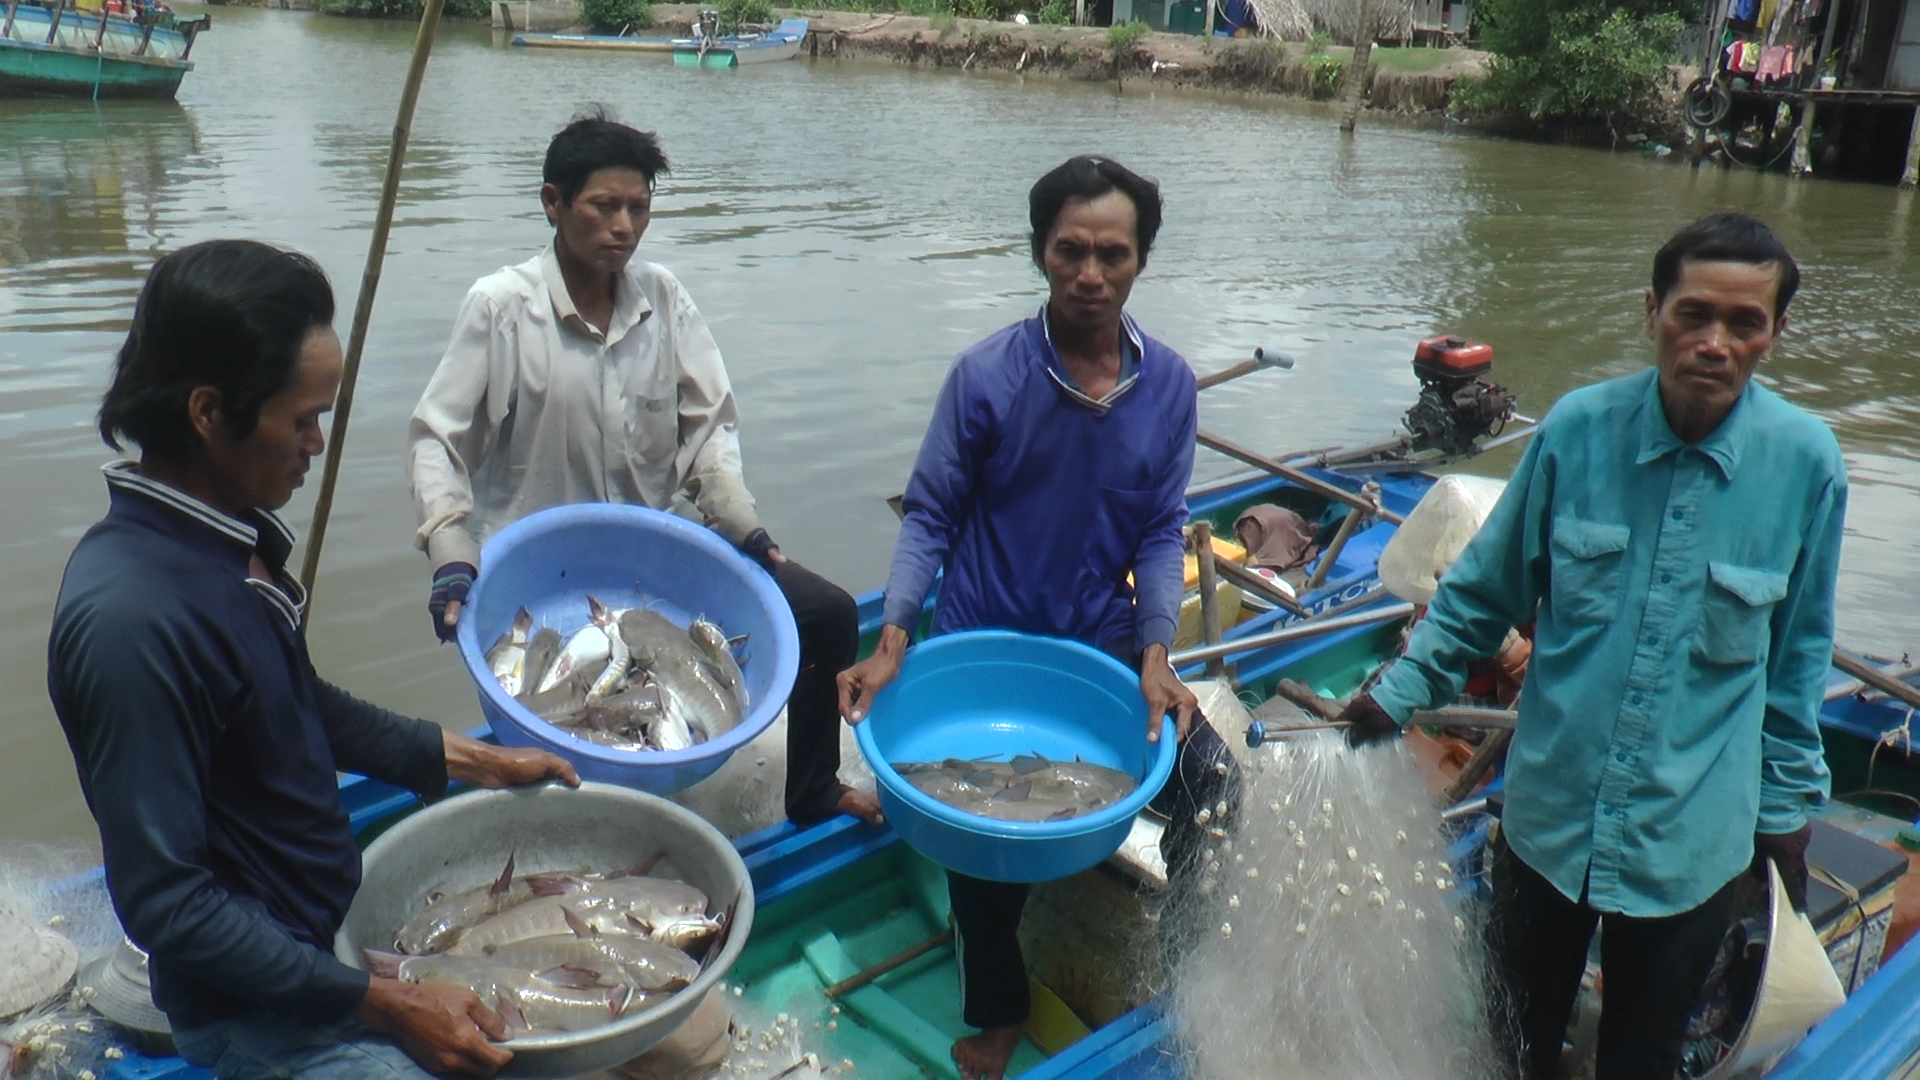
(207, 749)
(1039, 501)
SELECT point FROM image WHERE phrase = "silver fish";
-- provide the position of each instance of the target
(618, 906)
(1029, 788)
(507, 657)
(542, 650)
(524, 1000)
(664, 642)
(588, 645)
(713, 644)
(645, 965)
(444, 919)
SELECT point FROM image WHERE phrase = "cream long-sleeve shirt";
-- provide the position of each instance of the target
(533, 407)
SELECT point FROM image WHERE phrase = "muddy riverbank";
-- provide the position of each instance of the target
(1406, 81)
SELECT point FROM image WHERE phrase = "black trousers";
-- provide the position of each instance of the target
(986, 914)
(829, 624)
(1654, 970)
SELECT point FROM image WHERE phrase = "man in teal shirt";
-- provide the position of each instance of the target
(1674, 536)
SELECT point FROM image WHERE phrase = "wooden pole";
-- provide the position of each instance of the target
(100, 35)
(1877, 679)
(13, 8)
(1254, 583)
(1802, 164)
(1476, 767)
(1294, 476)
(1207, 31)
(1202, 534)
(1356, 88)
(369, 283)
(1348, 526)
(854, 982)
(53, 25)
(1911, 175)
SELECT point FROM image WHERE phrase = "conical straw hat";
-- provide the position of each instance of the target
(35, 964)
(1798, 987)
(1435, 534)
(120, 991)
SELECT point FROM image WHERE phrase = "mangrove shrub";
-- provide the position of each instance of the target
(1575, 61)
(616, 16)
(735, 14)
(402, 9)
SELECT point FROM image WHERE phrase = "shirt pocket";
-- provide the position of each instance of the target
(652, 430)
(1589, 561)
(1737, 613)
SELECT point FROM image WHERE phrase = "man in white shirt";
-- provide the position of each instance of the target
(583, 376)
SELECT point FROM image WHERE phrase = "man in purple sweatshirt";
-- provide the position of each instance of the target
(1055, 466)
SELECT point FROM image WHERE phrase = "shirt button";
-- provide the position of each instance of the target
(1606, 811)
(1666, 579)
(1653, 639)
(1633, 699)
(1621, 757)
(1677, 515)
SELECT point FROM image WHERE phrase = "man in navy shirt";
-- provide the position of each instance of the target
(1055, 466)
(206, 744)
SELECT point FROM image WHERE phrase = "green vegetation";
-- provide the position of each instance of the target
(617, 16)
(1324, 73)
(1121, 38)
(1317, 44)
(402, 9)
(1412, 61)
(735, 14)
(1574, 61)
(1055, 13)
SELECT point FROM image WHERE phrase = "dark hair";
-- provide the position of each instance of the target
(230, 314)
(596, 141)
(1726, 237)
(1090, 176)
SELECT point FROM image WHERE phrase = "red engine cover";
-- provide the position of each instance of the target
(1451, 357)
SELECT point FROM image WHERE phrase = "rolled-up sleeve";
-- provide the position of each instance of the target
(142, 728)
(1494, 586)
(1793, 771)
(709, 454)
(454, 426)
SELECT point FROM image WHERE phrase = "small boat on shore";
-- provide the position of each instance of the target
(109, 49)
(733, 50)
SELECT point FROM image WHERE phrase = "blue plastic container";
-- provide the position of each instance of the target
(627, 556)
(992, 694)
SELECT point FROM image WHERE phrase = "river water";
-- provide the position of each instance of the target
(846, 229)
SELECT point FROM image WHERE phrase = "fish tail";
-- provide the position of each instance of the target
(382, 965)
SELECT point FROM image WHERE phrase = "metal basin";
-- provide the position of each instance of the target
(463, 842)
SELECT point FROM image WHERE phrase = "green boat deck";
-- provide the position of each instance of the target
(901, 1025)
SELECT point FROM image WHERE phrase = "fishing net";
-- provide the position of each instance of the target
(59, 887)
(1329, 938)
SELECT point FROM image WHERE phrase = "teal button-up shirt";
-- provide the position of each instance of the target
(1683, 604)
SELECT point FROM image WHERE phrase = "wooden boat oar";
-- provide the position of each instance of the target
(867, 975)
(369, 284)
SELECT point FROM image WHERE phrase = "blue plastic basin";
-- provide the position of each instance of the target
(627, 556)
(992, 694)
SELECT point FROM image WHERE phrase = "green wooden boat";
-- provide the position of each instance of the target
(58, 49)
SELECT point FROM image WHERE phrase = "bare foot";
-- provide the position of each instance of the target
(985, 1056)
(863, 805)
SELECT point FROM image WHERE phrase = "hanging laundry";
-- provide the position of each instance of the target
(1742, 12)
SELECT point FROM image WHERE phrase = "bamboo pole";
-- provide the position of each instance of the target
(854, 982)
(1911, 174)
(1348, 526)
(369, 283)
(1209, 593)
(1294, 476)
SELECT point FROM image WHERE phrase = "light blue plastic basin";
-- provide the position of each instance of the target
(992, 694)
(627, 556)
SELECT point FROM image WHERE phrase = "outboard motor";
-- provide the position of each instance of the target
(709, 25)
(1456, 405)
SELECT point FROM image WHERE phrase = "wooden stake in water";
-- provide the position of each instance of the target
(1356, 86)
(369, 284)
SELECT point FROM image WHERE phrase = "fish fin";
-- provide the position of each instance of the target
(720, 935)
(508, 1006)
(433, 898)
(1028, 763)
(1063, 814)
(571, 976)
(504, 882)
(382, 965)
(598, 612)
(641, 924)
(979, 778)
(548, 884)
(957, 765)
(576, 924)
(618, 998)
(643, 868)
(1013, 793)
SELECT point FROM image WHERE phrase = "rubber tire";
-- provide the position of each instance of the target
(1706, 104)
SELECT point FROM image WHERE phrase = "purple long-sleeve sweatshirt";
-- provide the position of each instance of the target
(1038, 501)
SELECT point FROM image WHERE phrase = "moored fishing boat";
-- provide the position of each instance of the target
(601, 42)
(109, 49)
(734, 50)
